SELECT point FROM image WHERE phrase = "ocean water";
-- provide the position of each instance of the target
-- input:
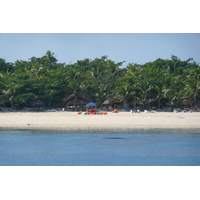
(169, 147)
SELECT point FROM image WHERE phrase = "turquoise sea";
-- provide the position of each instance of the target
(168, 147)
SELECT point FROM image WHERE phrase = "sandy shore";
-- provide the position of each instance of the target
(111, 121)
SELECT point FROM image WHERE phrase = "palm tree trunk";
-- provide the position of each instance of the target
(159, 103)
(75, 99)
(12, 103)
(125, 103)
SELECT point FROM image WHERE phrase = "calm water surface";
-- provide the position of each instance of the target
(130, 148)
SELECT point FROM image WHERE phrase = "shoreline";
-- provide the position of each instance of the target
(122, 121)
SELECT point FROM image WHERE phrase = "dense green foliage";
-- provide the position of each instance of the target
(152, 84)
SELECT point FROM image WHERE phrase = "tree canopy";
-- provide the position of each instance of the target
(152, 84)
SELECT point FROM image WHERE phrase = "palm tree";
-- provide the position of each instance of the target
(161, 93)
(76, 85)
(124, 92)
(49, 60)
(192, 86)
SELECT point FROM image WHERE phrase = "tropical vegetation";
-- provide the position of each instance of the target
(150, 85)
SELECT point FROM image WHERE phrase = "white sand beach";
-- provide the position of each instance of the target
(111, 121)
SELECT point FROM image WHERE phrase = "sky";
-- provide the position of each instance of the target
(130, 47)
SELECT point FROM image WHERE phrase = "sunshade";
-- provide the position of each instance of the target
(91, 104)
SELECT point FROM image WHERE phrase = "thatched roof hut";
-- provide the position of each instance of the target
(107, 102)
(78, 102)
(37, 103)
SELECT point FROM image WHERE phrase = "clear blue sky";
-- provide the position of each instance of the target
(130, 47)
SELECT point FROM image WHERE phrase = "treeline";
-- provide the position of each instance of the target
(153, 84)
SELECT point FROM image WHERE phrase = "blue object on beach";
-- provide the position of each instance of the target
(91, 104)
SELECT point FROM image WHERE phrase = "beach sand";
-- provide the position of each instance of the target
(111, 121)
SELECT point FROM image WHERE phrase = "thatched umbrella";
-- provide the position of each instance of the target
(79, 102)
(70, 103)
(107, 102)
(37, 103)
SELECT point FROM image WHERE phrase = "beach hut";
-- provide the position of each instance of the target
(78, 104)
(37, 103)
(107, 103)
